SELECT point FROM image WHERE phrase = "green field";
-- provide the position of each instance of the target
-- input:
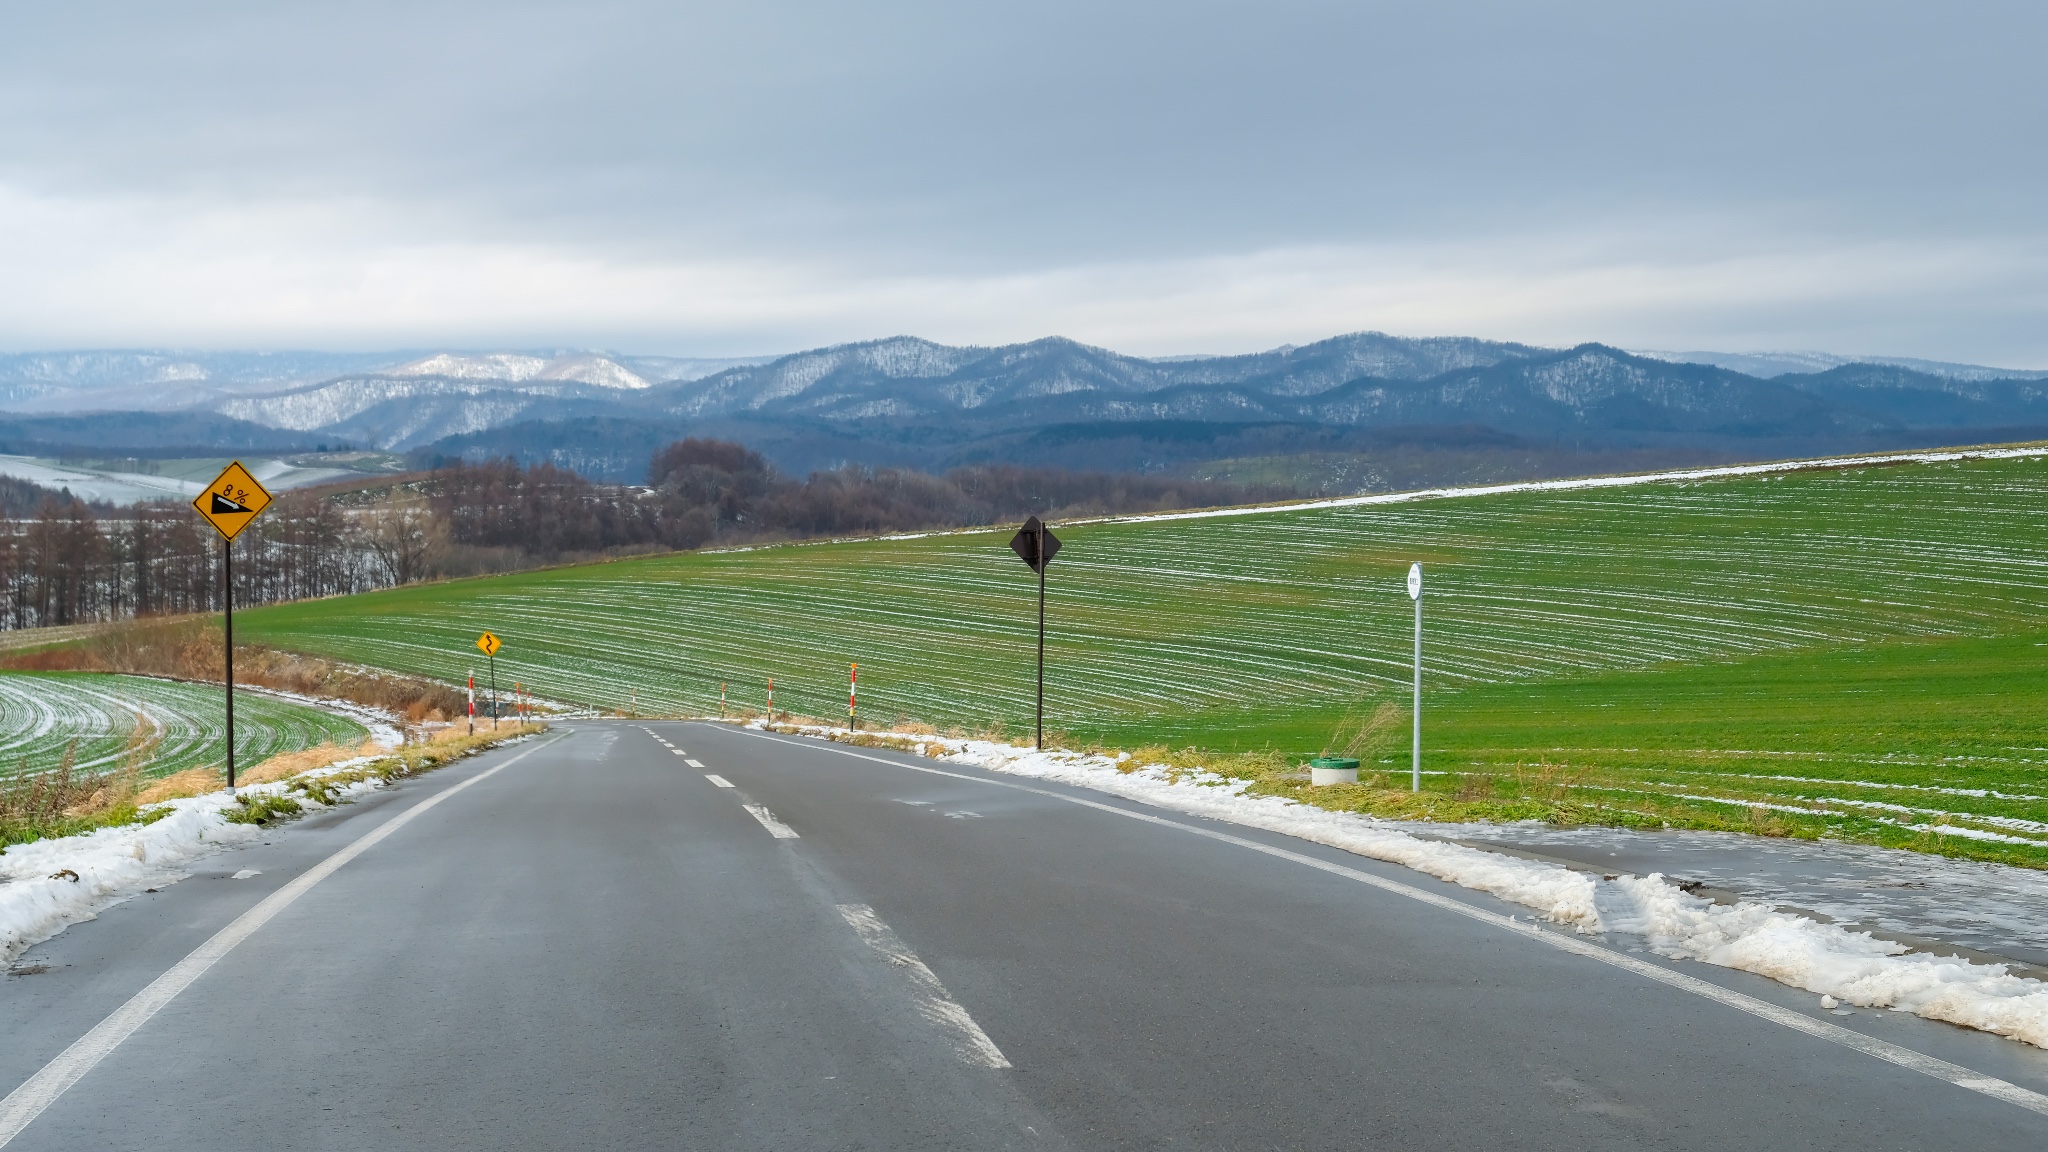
(1780, 639)
(94, 716)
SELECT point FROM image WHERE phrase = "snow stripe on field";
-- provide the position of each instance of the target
(1749, 937)
(41, 1090)
(1582, 483)
(934, 1003)
(1806, 464)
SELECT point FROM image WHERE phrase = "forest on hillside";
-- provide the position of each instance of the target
(69, 562)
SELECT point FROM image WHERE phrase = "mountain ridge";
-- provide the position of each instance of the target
(904, 400)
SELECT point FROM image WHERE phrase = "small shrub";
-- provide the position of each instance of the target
(253, 809)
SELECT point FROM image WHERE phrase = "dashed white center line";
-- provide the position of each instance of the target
(776, 828)
(692, 763)
(934, 1003)
(721, 781)
(679, 752)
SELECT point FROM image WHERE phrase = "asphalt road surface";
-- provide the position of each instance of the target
(682, 936)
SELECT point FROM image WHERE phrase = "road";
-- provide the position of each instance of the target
(667, 935)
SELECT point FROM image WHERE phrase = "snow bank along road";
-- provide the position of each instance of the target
(670, 935)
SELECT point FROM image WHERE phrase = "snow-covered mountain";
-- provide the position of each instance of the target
(926, 400)
(157, 380)
(585, 368)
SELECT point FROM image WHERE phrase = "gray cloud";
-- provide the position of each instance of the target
(822, 155)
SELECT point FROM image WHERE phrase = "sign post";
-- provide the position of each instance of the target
(489, 644)
(1035, 544)
(1415, 594)
(230, 503)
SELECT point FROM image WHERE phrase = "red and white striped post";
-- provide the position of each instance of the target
(852, 695)
(721, 699)
(771, 699)
(472, 701)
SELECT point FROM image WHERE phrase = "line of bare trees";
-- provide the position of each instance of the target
(71, 562)
(74, 563)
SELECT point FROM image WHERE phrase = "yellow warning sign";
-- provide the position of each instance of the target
(232, 500)
(488, 644)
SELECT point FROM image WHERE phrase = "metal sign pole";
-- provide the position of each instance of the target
(227, 595)
(494, 692)
(1041, 636)
(230, 503)
(1415, 594)
(1035, 545)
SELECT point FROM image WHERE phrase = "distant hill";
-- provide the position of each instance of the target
(1765, 365)
(906, 401)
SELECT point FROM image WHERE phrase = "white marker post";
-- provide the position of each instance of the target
(1415, 594)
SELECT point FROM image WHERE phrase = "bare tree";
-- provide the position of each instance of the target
(403, 535)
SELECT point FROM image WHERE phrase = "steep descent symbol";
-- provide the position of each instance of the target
(232, 500)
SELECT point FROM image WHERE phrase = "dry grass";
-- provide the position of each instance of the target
(200, 781)
(34, 805)
(1364, 735)
(289, 764)
(191, 648)
(178, 785)
(443, 746)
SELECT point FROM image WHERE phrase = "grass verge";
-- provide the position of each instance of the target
(39, 806)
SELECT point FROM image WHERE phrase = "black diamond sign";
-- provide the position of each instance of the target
(1029, 539)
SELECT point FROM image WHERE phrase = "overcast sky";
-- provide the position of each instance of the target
(1159, 178)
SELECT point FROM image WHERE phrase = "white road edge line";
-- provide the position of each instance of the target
(776, 828)
(1884, 1050)
(721, 781)
(41, 1090)
(934, 1003)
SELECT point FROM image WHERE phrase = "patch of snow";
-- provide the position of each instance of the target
(493, 366)
(39, 900)
(598, 370)
(95, 484)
